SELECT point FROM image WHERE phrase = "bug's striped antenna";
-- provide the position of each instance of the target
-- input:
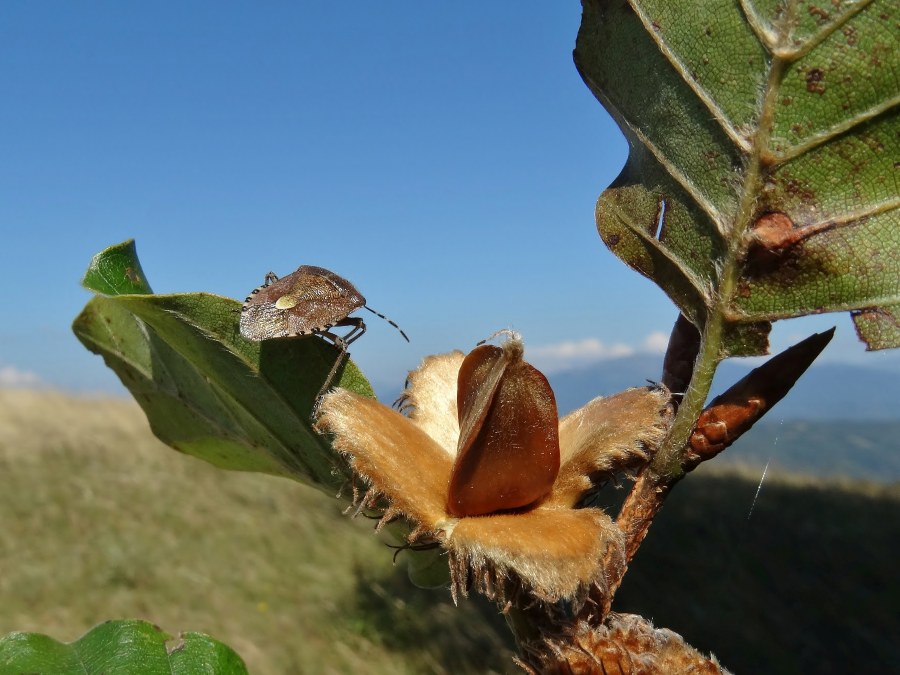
(380, 315)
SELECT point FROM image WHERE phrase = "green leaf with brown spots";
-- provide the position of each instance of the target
(765, 142)
(207, 391)
(117, 648)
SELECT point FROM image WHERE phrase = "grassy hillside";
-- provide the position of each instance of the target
(869, 450)
(102, 521)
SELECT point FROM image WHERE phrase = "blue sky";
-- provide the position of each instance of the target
(445, 157)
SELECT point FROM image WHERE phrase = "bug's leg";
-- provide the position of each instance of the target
(359, 327)
(341, 344)
(271, 278)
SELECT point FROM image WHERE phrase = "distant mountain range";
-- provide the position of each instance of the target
(838, 421)
(845, 449)
(825, 392)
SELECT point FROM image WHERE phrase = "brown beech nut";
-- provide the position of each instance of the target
(510, 510)
(508, 452)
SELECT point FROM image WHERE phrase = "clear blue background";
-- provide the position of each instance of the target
(445, 157)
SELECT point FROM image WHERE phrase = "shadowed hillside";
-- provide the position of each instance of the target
(807, 584)
(102, 521)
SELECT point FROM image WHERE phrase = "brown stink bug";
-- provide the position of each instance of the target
(309, 301)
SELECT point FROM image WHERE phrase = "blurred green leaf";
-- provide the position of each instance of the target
(740, 114)
(428, 568)
(117, 648)
(212, 394)
(116, 271)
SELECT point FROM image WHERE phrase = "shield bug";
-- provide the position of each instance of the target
(309, 301)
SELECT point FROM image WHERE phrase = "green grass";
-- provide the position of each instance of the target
(100, 520)
(864, 449)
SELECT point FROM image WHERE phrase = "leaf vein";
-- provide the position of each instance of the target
(839, 129)
(793, 54)
(707, 206)
(700, 284)
(684, 73)
(760, 27)
(851, 218)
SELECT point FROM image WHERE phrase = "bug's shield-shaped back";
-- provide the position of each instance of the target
(310, 300)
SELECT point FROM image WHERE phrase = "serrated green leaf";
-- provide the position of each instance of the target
(116, 271)
(210, 393)
(736, 110)
(119, 648)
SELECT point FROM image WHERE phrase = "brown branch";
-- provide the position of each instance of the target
(678, 364)
(723, 421)
(732, 414)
